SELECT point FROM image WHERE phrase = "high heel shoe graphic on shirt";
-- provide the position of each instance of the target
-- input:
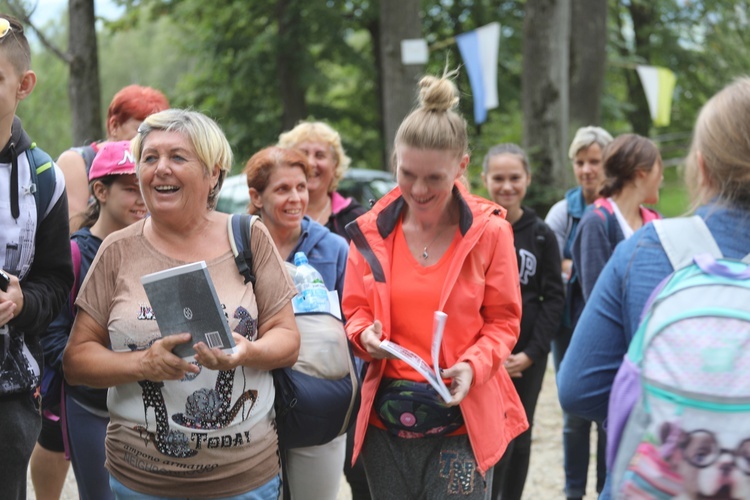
(205, 409)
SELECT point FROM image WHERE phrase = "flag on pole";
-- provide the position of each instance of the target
(479, 50)
(658, 84)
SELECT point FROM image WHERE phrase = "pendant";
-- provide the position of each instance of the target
(425, 256)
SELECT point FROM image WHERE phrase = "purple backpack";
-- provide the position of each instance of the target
(679, 410)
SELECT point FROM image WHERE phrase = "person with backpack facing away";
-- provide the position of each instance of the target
(507, 175)
(36, 270)
(563, 218)
(718, 176)
(633, 174)
(128, 108)
(118, 203)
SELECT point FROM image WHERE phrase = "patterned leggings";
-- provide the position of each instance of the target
(424, 468)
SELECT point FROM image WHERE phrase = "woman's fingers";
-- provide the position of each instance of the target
(159, 363)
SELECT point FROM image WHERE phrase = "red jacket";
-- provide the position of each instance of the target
(481, 297)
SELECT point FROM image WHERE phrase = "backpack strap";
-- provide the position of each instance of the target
(43, 177)
(239, 227)
(605, 210)
(685, 237)
(88, 153)
(75, 254)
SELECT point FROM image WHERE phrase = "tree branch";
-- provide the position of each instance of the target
(26, 19)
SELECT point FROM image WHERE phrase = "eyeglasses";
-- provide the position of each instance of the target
(701, 449)
(5, 27)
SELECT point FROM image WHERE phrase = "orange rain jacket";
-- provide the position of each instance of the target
(481, 297)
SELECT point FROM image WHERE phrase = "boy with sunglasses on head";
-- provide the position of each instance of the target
(34, 252)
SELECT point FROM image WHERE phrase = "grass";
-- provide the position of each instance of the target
(673, 197)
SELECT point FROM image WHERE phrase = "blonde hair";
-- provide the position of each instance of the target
(587, 136)
(435, 124)
(722, 137)
(319, 132)
(206, 137)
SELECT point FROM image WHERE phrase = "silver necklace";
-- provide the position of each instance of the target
(426, 255)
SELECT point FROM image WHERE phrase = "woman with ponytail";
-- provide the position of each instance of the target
(633, 173)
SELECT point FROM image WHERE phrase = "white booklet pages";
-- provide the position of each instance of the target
(184, 300)
(431, 373)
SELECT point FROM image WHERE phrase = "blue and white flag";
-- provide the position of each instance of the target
(479, 50)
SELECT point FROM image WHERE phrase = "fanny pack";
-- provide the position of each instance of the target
(411, 409)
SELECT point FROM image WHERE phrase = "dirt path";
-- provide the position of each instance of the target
(545, 480)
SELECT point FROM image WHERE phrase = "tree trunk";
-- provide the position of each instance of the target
(373, 28)
(83, 87)
(544, 84)
(643, 17)
(399, 20)
(288, 63)
(588, 43)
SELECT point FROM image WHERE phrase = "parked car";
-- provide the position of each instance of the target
(361, 184)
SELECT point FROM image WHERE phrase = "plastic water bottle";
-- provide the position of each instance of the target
(313, 294)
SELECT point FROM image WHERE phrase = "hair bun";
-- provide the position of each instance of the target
(437, 94)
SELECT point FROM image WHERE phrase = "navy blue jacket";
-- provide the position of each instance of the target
(59, 330)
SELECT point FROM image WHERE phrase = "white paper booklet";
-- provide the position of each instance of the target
(431, 373)
(184, 300)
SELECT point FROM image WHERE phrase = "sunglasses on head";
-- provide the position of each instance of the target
(5, 27)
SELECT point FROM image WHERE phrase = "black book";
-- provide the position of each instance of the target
(184, 300)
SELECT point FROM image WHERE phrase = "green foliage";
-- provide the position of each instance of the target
(138, 52)
(46, 112)
(234, 75)
(673, 197)
(222, 58)
(143, 54)
(444, 20)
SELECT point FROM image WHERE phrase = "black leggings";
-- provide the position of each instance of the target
(511, 471)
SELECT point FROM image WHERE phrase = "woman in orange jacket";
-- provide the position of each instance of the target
(431, 246)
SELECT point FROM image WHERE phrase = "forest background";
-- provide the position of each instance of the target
(260, 66)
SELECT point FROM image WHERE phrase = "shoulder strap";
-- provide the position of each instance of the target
(607, 212)
(612, 225)
(685, 237)
(88, 153)
(239, 227)
(43, 177)
(75, 254)
(540, 229)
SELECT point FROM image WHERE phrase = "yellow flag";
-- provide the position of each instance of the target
(658, 84)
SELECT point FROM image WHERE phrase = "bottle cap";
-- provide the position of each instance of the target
(300, 258)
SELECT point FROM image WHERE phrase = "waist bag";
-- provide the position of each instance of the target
(411, 409)
(317, 399)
